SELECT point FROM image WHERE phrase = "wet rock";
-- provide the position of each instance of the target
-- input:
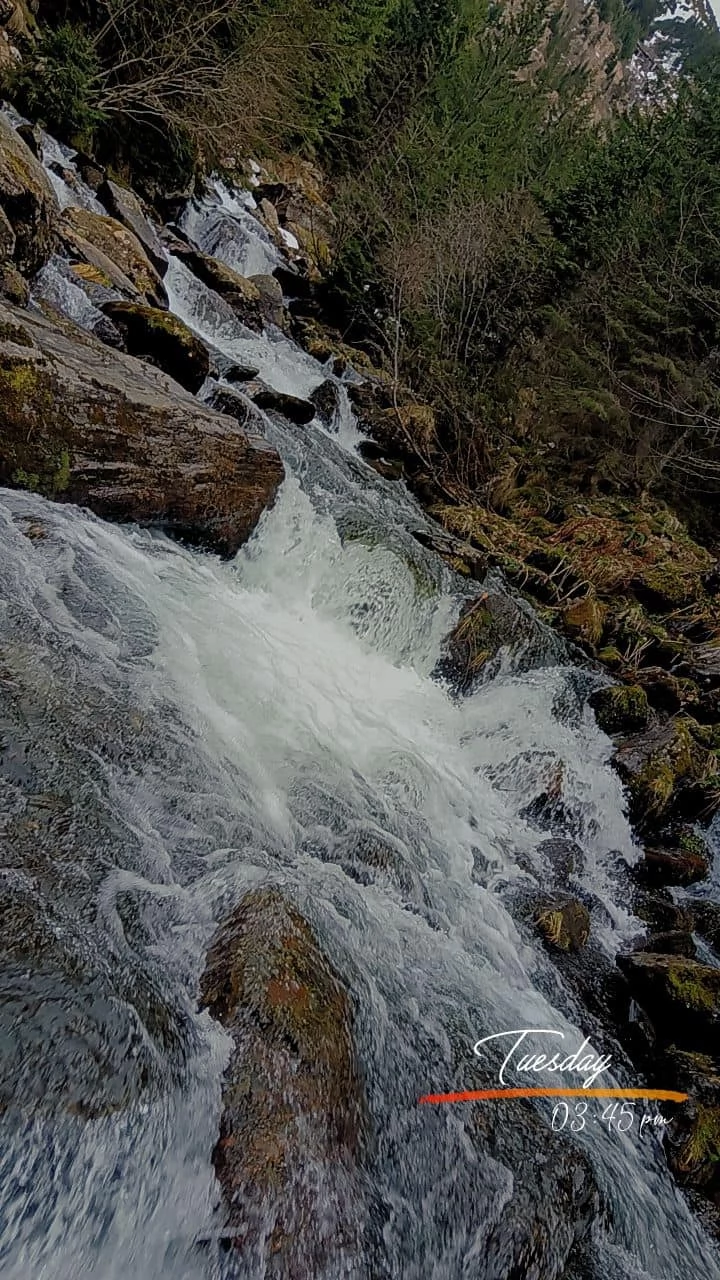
(240, 293)
(235, 405)
(552, 1200)
(325, 400)
(291, 407)
(693, 1139)
(27, 201)
(705, 916)
(162, 339)
(461, 556)
(123, 205)
(620, 708)
(563, 924)
(487, 624)
(79, 1032)
(293, 1111)
(681, 997)
(565, 857)
(676, 942)
(547, 810)
(658, 910)
(230, 370)
(114, 243)
(271, 298)
(667, 769)
(85, 424)
(684, 865)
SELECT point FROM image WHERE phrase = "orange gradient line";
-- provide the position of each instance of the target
(488, 1095)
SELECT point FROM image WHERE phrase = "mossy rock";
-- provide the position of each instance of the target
(27, 201)
(292, 1097)
(116, 245)
(681, 996)
(620, 708)
(665, 588)
(487, 624)
(584, 620)
(564, 925)
(693, 1140)
(666, 769)
(162, 339)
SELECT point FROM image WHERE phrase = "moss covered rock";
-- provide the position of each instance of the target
(162, 339)
(27, 202)
(584, 620)
(292, 1099)
(668, 769)
(681, 996)
(564, 924)
(98, 241)
(683, 863)
(86, 424)
(487, 624)
(693, 1140)
(620, 708)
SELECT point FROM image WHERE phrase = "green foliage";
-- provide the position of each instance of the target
(60, 88)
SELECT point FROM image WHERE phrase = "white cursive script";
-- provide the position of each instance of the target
(582, 1062)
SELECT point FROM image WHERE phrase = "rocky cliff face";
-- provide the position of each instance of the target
(578, 45)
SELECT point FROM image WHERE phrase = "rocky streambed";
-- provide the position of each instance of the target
(284, 837)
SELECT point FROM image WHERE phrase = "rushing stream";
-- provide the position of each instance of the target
(176, 730)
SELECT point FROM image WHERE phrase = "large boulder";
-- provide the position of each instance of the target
(163, 339)
(98, 240)
(82, 423)
(293, 1112)
(123, 205)
(28, 207)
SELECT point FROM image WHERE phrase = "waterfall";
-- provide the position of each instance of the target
(187, 729)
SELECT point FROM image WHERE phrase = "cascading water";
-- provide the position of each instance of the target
(176, 730)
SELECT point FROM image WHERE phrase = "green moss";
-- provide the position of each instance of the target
(61, 478)
(26, 480)
(702, 1149)
(690, 842)
(586, 619)
(610, 657)
(622, 708)
(692, 990)
(18, 380)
